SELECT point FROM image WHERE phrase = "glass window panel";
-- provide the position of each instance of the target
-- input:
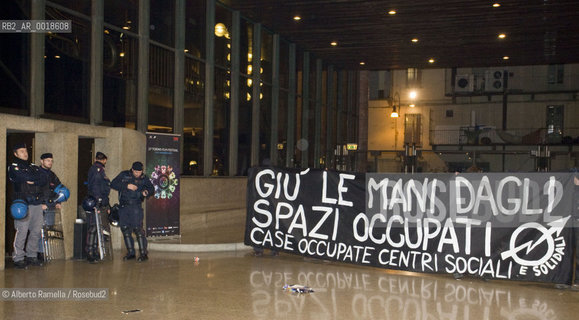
(222, 37)
(266, 56)
(67, 69)
(265, 126)
(194, 117)
(246, 45)
(82, 6)
(284, 65)
(162, 22)
(120, 71)
(123, 14)
(161, 66)
(245, 111)
(221, 118)
(14, 71)
(282, 126)
(195, 28)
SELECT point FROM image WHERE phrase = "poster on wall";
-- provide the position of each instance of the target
(510, 226)
(163, 168)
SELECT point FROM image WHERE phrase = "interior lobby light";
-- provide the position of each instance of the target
(392, 12)
(496, 5)
(412, 94)
(431, 60)
(362, 63)
(414, 40)
(297, 18)
(412, 105)
(506, 58)
(395, 98)
(502, 36)
(334, 43)
(220, 29)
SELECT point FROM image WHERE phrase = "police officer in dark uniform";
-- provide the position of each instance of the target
(133, 187)
(98, 188)
(48, 204)
(28, 186)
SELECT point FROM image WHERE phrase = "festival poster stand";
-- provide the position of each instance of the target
(163, 168)
(516, 226)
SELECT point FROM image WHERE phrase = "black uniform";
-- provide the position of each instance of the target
(131, 210)
(99, 188)
(20, 174)
(48, 190)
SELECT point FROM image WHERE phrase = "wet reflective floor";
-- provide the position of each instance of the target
(237, 285)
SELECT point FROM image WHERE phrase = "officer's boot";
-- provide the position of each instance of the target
(91, 245)
(142, 245)
(129, 243)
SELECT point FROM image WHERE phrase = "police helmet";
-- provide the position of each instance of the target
(114, 216)
(89, 203)
(62, 193)
(19, 209)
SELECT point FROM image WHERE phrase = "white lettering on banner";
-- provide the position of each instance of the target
(416, 260)
(478, 266)
(269, 187)
(339, 251)
(468, 196)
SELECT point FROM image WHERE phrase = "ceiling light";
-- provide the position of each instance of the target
(412, 105)
(186, 50)
(122, 54)
(414, 40)
(496, 4)
(57, 57)
(412, 94)
(334, 43)
(297, 18)
(502, 36)
(220, 29)
(362, 63)
(506, 58)
(126, 28)
(392, 12)
(430, 60)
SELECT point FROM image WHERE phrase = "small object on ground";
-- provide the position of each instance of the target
(296, 288)
(196, 259)
(134, 310)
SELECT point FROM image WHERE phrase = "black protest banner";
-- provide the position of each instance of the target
(500, 226)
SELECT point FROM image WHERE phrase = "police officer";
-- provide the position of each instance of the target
(48, 204)
(133, 187)
(98, 188)
(28, 186)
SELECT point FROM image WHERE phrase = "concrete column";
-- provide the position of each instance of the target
(96, 62)
(209, 88)
(274, 102)
(64, 148)
(37, 62)
(291, 107)
(123, 147)
(340, 112)
(234, 94)
(362, 153)
(330, 117)
(305, 108)
(179, 76)
(3, 177)
(256, 102)
(143, 72)
(318, 116)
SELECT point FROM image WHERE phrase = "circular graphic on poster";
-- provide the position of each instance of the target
(164, 180)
